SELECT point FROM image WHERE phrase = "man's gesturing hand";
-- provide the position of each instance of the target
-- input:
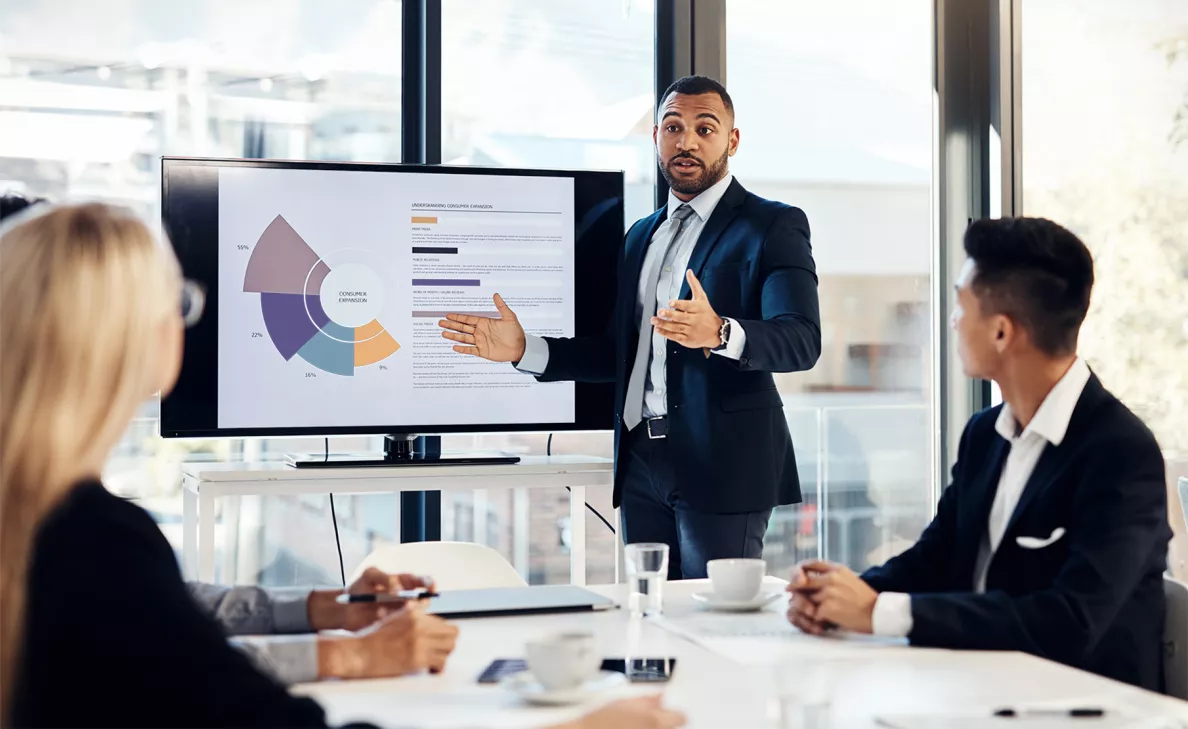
(690, 322)
(497, 340)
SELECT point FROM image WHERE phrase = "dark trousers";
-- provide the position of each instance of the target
(652, 510)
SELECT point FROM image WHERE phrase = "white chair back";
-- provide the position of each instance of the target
(1175, 639)
(452, 565)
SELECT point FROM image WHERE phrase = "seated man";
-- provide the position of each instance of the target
(277, 629)
(1052, 538)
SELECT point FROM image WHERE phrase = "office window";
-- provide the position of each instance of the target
(567, 85)
(1105, 153)
(833, 102)
(529, 83)
(92, 94)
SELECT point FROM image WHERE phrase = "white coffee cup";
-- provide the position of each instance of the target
(736, 579)
(563, 660)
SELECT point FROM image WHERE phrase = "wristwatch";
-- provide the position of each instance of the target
(724, 335)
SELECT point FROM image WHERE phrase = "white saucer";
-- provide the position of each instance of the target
(714, 601)
(528, 688)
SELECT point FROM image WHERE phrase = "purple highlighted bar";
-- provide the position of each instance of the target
(445, 282)
(419, 314)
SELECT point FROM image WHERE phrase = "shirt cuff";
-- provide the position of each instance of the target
(289, 659)
(536, 356)
(892, 616)
(290, 610)
(738, 340)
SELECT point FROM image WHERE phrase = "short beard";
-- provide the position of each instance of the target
(713, 175)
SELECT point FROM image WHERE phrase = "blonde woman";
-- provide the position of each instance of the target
(97, 627)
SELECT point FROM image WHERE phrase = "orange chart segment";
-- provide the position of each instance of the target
(373, 343)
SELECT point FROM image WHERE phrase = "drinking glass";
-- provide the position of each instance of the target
(804, 690)
(647, 570)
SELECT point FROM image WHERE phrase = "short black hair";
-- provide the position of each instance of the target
(697, 85)
(1036, 272)
(12, 203)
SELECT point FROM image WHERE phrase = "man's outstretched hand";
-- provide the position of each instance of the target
(497, 340)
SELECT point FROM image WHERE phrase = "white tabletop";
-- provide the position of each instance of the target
(279, 470)
(725, 682)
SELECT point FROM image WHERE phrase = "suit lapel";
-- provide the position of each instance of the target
(718, 221)
(972, 525)
(633, 257)
(1055, 459)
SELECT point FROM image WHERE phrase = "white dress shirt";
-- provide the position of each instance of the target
(893, 610)
(672, 278)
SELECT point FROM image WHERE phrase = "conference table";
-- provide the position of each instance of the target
(729, 673)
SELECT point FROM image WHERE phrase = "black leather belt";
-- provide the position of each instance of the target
(657, 428)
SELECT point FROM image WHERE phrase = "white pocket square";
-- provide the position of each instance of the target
(1037, 543)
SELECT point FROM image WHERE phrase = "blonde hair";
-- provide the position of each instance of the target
(84, 290)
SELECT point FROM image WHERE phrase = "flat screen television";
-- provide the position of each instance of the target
(325, 283)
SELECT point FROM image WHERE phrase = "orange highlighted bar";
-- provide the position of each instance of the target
(373, 343)
(418, 219)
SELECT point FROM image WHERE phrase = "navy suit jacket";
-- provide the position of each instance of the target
(727, 434)
(1093, 599)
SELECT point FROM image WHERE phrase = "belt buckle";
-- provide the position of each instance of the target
(651, 436)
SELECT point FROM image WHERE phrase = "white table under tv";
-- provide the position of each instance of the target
(727, 683)
(203, 483)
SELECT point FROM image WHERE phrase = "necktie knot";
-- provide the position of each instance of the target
(682, 212)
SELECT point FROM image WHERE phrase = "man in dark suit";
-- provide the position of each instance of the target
(716, 291)
(1052, 537)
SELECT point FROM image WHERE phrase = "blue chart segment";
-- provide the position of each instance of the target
(328, 350)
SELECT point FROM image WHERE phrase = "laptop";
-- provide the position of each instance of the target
(536, 600)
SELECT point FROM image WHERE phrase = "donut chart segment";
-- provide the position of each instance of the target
(289, 276)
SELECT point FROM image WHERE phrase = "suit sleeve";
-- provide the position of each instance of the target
(580, 359)
(788, 337)
(1120, 518)
(923, 566)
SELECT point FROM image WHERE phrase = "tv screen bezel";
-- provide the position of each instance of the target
(196, 246)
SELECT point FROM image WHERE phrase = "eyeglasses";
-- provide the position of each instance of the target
(193, 302)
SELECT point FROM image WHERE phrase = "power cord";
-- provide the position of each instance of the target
(334, 518)
(549, 452)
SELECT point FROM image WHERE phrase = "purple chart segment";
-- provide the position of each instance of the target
(281, 261)
(288, 324)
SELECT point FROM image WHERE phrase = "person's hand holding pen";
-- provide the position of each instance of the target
(326, 612)
(393, 635)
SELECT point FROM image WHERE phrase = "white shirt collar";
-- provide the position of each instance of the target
(1052, 418)
(704, 203)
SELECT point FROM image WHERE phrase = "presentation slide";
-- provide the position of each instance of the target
(331, 284)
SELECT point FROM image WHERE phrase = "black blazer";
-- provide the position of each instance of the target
(113, 637)
(727, 432)
(1094, 598)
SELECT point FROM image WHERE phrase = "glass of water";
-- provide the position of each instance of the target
(804, 689)
(647, 570)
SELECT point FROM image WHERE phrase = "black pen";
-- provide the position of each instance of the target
(402, 596)
(1071, 713)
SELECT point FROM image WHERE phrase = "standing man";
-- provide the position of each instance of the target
(716, 291)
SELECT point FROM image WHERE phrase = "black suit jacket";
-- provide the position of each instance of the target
(109, 617)
(727, 432)
(1094, 598)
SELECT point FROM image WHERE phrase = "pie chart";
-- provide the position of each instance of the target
(325, 316)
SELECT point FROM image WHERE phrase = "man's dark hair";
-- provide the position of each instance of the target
(12, 203)
(1037, 273)
(697, 85)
